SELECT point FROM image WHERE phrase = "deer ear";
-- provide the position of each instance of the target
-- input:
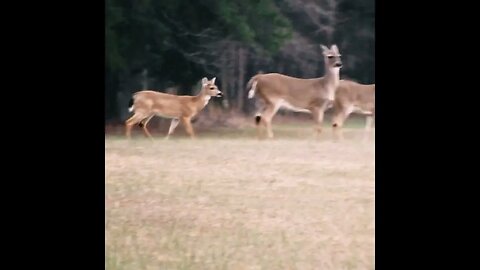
(324, 48)
(204, 81)
(334, 48)
(213, 80)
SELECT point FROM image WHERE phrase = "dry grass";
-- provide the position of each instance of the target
(238, 203)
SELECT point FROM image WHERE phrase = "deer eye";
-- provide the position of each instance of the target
(330, 56)
(212, 88)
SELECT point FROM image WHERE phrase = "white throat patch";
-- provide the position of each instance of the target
(206, 99)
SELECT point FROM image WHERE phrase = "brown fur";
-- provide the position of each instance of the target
(148, 103)
(301, 95)
(353, 97)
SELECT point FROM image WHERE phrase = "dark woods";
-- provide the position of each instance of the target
(170, 45)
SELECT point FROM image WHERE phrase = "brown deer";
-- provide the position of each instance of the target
(146, 104)
(353, 97)
(295, 94)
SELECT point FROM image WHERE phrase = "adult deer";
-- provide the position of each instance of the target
(295, 94)
(353, 97)
(146, 104)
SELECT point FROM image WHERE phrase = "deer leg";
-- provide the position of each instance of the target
(368, 123)
(260, 107)
(318, 115)
(258, 118)
(337, 123)
(144, 126)
(136, 118)
(188, 126)
(341, 114)
(267, 116)
(368, 127)
(173, 125)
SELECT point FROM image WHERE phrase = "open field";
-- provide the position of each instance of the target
(228, 201)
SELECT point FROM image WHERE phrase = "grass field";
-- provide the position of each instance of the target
(228, 201)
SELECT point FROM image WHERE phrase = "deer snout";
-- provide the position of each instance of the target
(219, 93)
(338, 64)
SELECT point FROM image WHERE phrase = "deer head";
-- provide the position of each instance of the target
(209, 87)
(332, 56)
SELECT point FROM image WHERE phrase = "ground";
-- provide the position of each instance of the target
(229, 201)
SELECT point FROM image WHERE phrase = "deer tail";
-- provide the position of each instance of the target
(252, 84)
(130, 105)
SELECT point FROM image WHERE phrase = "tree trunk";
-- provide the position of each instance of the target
(223, 78)
(231, 74)
(144, 79)
(241, 78)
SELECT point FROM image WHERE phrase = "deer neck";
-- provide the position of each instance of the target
(332, 75)
(202, 99)
(332, 79)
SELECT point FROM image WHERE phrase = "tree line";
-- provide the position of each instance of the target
(170, 45)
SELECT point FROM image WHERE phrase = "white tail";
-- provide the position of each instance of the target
(251, 92)
(147, 104)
